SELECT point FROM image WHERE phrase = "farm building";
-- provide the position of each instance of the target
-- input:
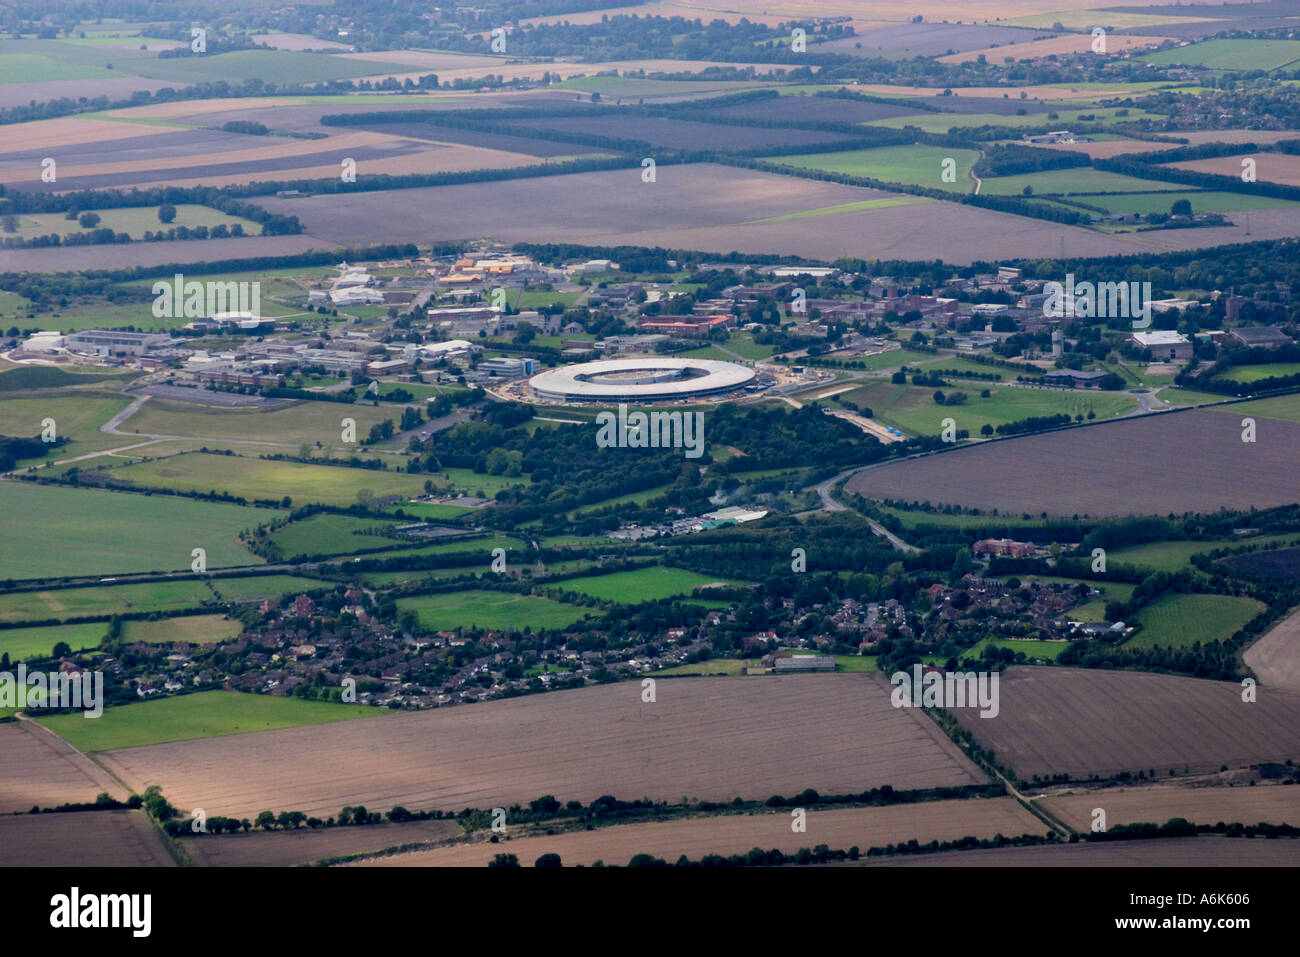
(803, 663)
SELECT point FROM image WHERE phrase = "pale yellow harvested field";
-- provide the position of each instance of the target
(455, 158)
(1237, 136)
(1073, 43)
(430, 59)
(1269, 167)
(1105, 149)
(1275, 657)
(280, 149)
(1032, 92)
(306, 846)
(71, 131)
(298, 41)
(864, 13)
(81, 839)
(1268, 804)
(164, 111)
(704, 738)
(740, 833)
(39, 768)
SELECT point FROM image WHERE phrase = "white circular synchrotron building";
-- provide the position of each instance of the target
(641, 379)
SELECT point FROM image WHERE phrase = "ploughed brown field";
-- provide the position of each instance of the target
(39, 768)
(306, 846)
(1271, 804)
(81, 839)
(1269, 167)
(704, 738)
(1166, 852)
(1083, 722)
(718, 209)
(1193, 461)
(740, 833)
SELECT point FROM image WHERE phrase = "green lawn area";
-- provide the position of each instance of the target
(514, 549)
(103, 600)
(491, 609)
(856, 663)
(1285, 407)
(1203, 201)
(1176, 396)
(913, 409)
(421, 510)
(193, 629)
(134, 220)
(308, 422)
(894, 359)
(326, 534)
(536, 298)
(640, 498)
(1251, 373)
(34, 68)
(1175, 556)
(384, 579)
(273, 66)
(52, 531)
(1046, 650)
(208, 714)
(743, 344)
(641, 584)
(1079, 179)
(1244, 54)
(714, 666)
(1179, 621)
(24, 643)
(102, 315)
(914, 165)
(264, 479)
(266, 586)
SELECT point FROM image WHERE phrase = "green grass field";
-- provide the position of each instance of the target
(308, 422)
(642, 584)
(1045, 650)
(440, 513)
(273, 66)
(77, 414)
(208, 714)
(266, 586)
(1175, 556)
(490, 609)
(1285, 407)
(913, 409)
(21, 644)
(943, 122)
(1179, 621)
(714, 666)
(327, 534)
(134, 221)
(192, 629)
(252, 478)
(1251, 373)
(1244, 54)
(384, 579)
(915, 519)
(34, 68)
(914, 165)
(109, 599)
(1203, 201)
(1080, 179)
(51, 531)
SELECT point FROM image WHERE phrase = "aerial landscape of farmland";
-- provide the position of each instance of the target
(792, 436)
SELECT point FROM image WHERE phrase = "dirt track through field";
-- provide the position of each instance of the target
(704, 738)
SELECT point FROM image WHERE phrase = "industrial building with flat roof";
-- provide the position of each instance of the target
(651, 379)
